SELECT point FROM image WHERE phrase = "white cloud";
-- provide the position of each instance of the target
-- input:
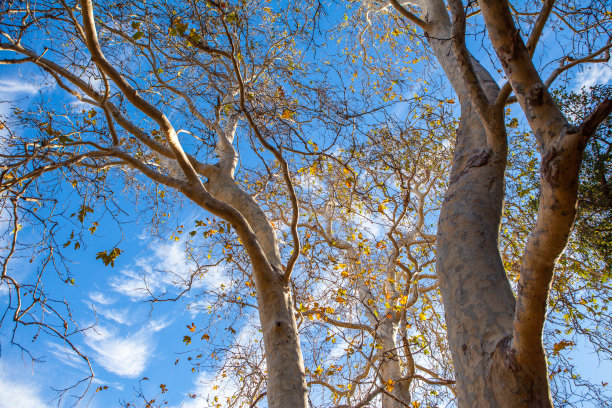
(205, 391)
(593, 75)
(67, 356)
(121, 316)
(100, 298)
(215, 277)
(78, 106)
(166, 267)
(126, 356)
(19, 390)
(211, 384)
(4, 133)
(338, 351)
(372, 224)
(132, 285)
(18, 86)
(157, 325)
(5, 109)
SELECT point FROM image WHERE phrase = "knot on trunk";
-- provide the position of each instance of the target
(476, 160)
(278, 325)
(506, 352)
(535, 96)
(549, 168)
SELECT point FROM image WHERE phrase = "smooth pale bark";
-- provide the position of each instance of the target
(479, 304)
(391, 367)
(496, 341)
(221, 196)
(478, 300)
(561, 147)
(286, 374)
(394, 374)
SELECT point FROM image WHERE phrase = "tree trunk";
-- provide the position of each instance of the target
(286, 386)
(391, 368)
(478, 300)
(286, 376)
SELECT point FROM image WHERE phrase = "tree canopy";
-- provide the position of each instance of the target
(351, 204)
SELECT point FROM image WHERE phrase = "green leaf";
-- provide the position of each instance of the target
(137, 35)
(135, 25)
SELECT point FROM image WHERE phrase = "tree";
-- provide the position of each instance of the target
(495, 339)
(225, 69)
(369, 247)
(594, 198)
(578, 302)
(211, 58)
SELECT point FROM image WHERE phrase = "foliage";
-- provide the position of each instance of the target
(319, 148)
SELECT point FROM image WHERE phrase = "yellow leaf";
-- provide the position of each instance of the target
(562, 345)
(287, 114)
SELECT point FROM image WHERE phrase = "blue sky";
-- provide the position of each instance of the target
(133, 339)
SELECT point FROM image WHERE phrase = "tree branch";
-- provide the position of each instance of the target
(277, 154)
(140, 103)
(410, 16)
(601, 113)
(477, 95)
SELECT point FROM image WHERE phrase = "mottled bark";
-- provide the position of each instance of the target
(496, 341)
(477, 296)
(222, 197)
(286, 374)
(479, 303)
(561, 146)
(391, 369)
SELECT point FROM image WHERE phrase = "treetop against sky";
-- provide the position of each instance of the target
(288, 204)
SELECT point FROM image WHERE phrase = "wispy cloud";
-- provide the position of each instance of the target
(134, 285)
(121, 316)
(337, 352)
(18, 390)
(100, 302)
(66, 356)
(17, 85)
(211, 384)
(125, 355)
(100, 298)
(165, 268)
(593, 75)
